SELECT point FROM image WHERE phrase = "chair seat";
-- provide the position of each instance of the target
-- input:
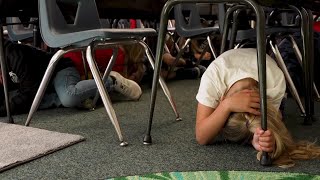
(84, 38)
(251, 33)
(184, 32)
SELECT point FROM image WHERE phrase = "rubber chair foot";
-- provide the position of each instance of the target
(123, 144)
(147, 140)
(178, 119)
(265, 160)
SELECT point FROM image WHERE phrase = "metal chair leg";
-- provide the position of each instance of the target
(307, 62)
(107, 72)
(4, 76)
(288, 78)
(44, 84)
(211, 47)
(104, 95)
(299, 57)
(162, 83)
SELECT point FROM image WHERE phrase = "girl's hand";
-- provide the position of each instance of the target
(263, 140)
(244, 101)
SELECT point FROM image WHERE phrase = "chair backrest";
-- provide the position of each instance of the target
(58, 17)
(188, 21)
(18, 31)
(187, 17)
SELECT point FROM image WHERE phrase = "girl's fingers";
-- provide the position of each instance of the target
(254, 111)
(255, 105)
(267, 139)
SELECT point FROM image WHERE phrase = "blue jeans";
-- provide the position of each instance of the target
(70, 90)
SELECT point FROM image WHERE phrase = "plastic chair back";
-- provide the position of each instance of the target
(56, 27)
(18, 32)
(188, 20)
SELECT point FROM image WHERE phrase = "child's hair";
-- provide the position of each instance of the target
(134, 60)
(241, 126)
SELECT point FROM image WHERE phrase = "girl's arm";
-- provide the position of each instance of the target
(210, 121)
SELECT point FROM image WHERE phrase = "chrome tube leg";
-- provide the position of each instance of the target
(289, 81)
(211, 48)
(163, 84)
(299, 57)
(107, 72)
(44, 84)
(104, 95)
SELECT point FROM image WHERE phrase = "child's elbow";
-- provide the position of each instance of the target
(202, 140)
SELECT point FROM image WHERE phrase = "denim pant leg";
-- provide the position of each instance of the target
(50, 100)
(72, 91)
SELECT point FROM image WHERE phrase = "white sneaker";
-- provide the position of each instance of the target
(125, 86)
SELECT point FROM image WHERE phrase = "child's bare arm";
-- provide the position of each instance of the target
(210, 121)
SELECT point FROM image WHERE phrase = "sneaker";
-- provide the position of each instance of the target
(126, 87)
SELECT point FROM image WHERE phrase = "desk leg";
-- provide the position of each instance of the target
(4, 76)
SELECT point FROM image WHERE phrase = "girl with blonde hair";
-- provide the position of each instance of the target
(134, 62)
(229, 86)
(240, 127)
(229, 103)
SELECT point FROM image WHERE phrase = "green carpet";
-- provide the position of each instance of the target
(223, 175)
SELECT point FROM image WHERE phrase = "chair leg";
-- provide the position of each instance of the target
(211, 47)
(288, 78)
(4, 76)
(311, 60)
(299, 57)
(234, 29)
(157, 66)
(104, 95)
(177, 58)
(84, 60)
(107, 72)
(307, 58)
(44, 84)
(162, 83)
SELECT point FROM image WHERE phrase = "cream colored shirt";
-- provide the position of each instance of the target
(234, 65)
